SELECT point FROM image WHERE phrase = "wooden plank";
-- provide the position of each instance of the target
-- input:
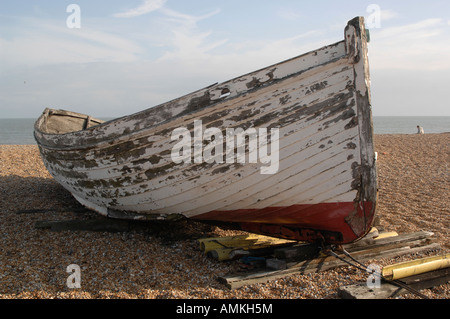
(429, 279)
(233, 247)
(222, 254)
(387, 290)
(309, 251)
(98, 224)
(370, 240)
(408, 240)
(241, 241)
(299, 252)
(386, 235)
(403, 238)
(316, 265)
(361, 291)
(276, 264)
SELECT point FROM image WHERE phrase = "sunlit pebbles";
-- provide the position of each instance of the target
(167, 263)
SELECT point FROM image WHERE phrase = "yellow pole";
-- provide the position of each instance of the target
(241, 241)
(386, 235)
(415, 267)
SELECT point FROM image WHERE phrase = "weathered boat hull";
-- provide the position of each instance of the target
(317, 182)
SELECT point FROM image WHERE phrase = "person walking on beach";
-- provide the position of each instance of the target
(420, 130)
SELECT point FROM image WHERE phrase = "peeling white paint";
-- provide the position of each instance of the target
(319, 101)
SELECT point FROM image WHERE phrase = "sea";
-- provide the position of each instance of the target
(20, 131)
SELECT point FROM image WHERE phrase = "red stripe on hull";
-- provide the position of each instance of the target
(336, 223)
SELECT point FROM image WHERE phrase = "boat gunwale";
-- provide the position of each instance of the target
(140, 135)
(131, 117)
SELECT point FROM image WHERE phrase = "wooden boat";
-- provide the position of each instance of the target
(322, 183)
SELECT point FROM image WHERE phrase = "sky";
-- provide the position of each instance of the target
(114, 58)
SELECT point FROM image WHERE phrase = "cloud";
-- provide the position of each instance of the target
(106, 70)
(424, 45)
(33, 42)
(187, 19)
(186, 39)
(146, 7)
(411, 29)
(388, 14)
(288, 14)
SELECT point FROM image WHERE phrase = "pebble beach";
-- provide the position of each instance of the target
(164, 260)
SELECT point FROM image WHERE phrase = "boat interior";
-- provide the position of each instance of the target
(61, 122)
